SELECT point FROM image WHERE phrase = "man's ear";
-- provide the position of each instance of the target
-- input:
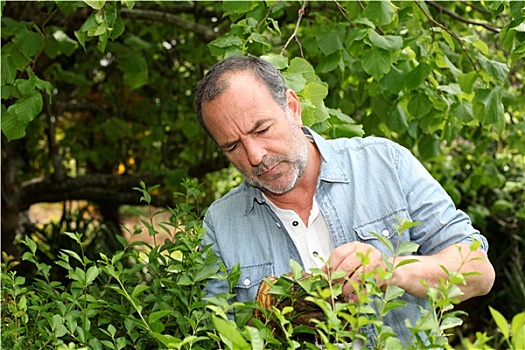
(295, 106)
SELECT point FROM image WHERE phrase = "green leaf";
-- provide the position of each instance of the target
(379, 12)
(331, 62)
(139, 288)
(278, 61)
(450, 322)
(74, 236)
(96, 4)
(376, 62)
(397, 119)
(205, 273)
(227, 330)
(462, 111)
(60, 43)
(154, 316)
(8, 69)
(407, 248)
(261, 39)
(393, 81)
(355, 35)
(518, 331)
(29, 107)
(385, 241)
(448, 39)
(117, 27)
(419, 105)
(294, 81)
(72, 254)
(300, 65)
(501, 322)
(417, 76)
(91, 274)
(393, 304)
(386, 42)
(406, 262)
(330, 42)
(103, 38)
(222, 43)
(12, 127)
(429, 147)
(238, 7)
(297, 270)
(31, 43)
(452, 89)
(256, 340)
(58, 326)
(488, 108)
(498, 70)
(393, 292)
(315, 92)
(168, 341)
(30, 244)
(346, 130)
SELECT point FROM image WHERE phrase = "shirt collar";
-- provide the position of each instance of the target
(332, 169)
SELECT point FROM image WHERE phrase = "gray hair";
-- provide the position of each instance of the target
(214, 82)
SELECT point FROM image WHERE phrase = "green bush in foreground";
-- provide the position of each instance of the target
(148, 297)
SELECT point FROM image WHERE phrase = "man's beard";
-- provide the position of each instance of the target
(297, 158)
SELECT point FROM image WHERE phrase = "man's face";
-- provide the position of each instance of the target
(264, 142)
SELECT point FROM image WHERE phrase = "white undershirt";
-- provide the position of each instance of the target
(309, 240)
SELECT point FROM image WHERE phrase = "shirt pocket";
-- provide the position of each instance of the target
(384, 226)
(250, 279)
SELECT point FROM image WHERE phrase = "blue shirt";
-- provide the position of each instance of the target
(365, 185)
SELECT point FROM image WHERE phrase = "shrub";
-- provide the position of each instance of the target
(145, 297)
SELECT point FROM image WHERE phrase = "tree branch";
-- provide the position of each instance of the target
(168, 18)
(99, 188)
(454, 35)
(294, 35)
(462, 19)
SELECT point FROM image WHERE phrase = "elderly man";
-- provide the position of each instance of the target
(305, 197)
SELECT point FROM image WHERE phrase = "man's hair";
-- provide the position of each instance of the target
(215, 81)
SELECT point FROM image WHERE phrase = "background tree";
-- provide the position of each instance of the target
(99, 95)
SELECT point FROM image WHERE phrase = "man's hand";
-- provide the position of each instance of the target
(349, 257)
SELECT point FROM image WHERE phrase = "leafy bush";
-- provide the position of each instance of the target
(145, 297)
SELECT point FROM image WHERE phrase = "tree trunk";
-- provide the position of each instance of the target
(11, 165)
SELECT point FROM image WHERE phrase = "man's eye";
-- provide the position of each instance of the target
(230, 148)
(263, 131)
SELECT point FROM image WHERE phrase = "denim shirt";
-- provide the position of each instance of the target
(365, 185)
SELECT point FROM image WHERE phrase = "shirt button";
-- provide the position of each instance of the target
(246, 282)
(295, 223)
(385, 233)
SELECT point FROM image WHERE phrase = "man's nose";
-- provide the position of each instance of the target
(255, 151)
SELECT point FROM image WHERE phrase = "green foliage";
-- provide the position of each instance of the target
(148, 296)
(114, 80)
(140, 297)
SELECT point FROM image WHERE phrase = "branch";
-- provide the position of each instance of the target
(54, 154)
(99, 188)
(294, 35)
(462, 19)
(270, 8)
(344, 12)
(168, 18)
(454, 35)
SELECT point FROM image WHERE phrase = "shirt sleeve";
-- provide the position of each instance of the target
(442, 224)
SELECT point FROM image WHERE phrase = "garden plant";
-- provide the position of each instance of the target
(152, 296)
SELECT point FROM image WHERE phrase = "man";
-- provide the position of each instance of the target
(304, 196)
